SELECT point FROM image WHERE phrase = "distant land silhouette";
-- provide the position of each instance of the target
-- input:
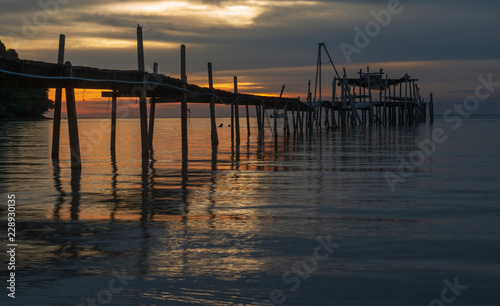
(22, 103)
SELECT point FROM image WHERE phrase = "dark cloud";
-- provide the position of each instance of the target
(280, 36)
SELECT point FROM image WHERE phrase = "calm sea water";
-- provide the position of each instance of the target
(307, 222)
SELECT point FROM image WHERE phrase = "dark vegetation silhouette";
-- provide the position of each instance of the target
(23, 103)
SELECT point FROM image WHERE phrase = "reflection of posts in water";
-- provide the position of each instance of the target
(213, 183)
(184, 182)
(114, 185)
(145, 188)
(62, 194)
(76, 176)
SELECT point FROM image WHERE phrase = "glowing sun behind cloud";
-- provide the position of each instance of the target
(235, 15)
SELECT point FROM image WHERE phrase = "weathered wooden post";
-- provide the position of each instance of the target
(309, 110)
(334, 89)
(370, 112)
(74, 140)
(260, 126)
(142, 100)
(263, 122)
(248, 121)
(431, 109)
(113, 122)
(237, 112)
(184, 116)
(385, 101)
(56, 124)
(213, 123)
(286, 127)
(152, 113)
(405, 108)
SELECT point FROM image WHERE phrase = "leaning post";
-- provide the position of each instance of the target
(152, 114)
(213, 123)
(142, 100)
(56, 124)
(74, 140)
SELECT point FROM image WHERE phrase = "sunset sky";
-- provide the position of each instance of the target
(446, 44)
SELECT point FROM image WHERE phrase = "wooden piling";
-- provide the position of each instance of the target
(248, 121)
(286, 127)
(142, 100)
(184, 115)
(232, 124)
(152, 113)
(309, 109)
(370, 111)
(74, 140)
(431, 109)
(113, 122)
(213, 123)
(56, 124)
(384, 120)
(263, 122)
(405, 108)
(237, 112)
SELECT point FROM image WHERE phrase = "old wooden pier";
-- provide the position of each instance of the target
(369, 99)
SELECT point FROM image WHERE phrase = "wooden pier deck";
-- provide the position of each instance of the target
(353, 105)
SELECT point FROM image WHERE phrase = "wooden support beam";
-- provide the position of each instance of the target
(56, 124)
(370, 101)
(113, 122)
(232, 124)
(237, 112)
(334, 89)
(140, 50)
(309, 110)
(74, 140)
(431, 109)
(213, 123)
(248, 122)
(384, 120)
(184, 115)
(152, 114)
(263, 122)
(286, 128)
(142, 100)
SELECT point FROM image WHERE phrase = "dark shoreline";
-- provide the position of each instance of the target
(26, 119)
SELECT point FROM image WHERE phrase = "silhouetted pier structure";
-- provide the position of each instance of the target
(351, 104)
